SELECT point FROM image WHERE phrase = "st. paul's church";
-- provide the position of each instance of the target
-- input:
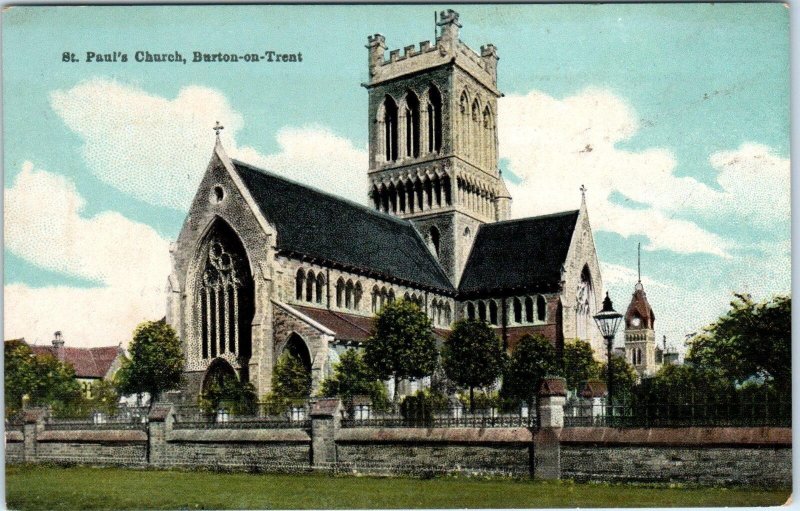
(264, 264)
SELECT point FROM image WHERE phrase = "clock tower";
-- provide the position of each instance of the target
(640, 337)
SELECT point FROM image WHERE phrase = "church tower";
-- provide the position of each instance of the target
(640, 337)
(433, 140)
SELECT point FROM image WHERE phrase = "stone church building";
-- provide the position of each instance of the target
(263, 264)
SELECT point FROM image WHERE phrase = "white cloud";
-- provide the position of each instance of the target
(756, 186)
(134, 141)
(558, 145)
(129, 261)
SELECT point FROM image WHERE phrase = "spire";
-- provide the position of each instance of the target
(639, 260)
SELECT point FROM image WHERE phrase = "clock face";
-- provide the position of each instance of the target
(636, 321)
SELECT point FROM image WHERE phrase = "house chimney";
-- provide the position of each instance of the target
(58, 345)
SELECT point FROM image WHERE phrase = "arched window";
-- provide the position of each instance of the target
(348, 294)
(428, 193)
(584, 304)
(390, 128)
(320, 287)
(541, 308)
(375, 298)
(528, 309)
(225, 295)
(311, 281)
(435, 239)
(493, 312)
(357, 296)
(482, 310)
(517, 311)
(383, 297)
(470, 310)
(390, 295)
(340, 292)
(447, 314)
(412, 124)
(299, 282)
(434, 120)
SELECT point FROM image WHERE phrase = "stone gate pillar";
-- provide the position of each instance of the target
(546, 441)
(326, 418)
(34, 420)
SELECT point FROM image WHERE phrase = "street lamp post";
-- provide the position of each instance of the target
(608, 321)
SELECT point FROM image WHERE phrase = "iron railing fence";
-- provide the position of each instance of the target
(723, 413)
(452, 417)
(123, 418)
(193, 417)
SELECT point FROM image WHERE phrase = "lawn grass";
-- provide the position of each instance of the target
(54, 488)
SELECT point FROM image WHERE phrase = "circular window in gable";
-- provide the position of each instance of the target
(217, 194)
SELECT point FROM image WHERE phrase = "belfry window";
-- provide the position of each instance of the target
(390, 128)
(434, 120)
(412, 125)
(226, 298)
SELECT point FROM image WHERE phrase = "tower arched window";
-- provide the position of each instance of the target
(357, 292)
(434, 120)
(299, 282)
(541, 308)
(435, 238)
(412, 125)
(470, 310)
(390, 128)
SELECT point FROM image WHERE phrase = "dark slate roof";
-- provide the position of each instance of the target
(525, 254)
(319, 225)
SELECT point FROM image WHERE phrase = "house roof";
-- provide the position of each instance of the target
(319, 225)
(87, 362)
(525, 254)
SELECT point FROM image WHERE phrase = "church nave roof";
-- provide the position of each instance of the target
(320, 225)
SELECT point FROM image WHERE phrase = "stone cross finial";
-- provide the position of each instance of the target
(583, 192)
(217, 128)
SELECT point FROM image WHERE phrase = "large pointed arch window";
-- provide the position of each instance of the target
(225, 296)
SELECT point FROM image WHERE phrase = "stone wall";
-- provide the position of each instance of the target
(420, 450)
(717, 456)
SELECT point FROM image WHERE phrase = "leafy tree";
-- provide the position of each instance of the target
(533, 359)
(43, 379)
(402, 343)
(235, 396)
(625, 377)
(291, 382)
(579, 363)
(290, 378)
(752, 340)
(683, 384)
(156, 361)
(351, 377)
(105, 397)
(473, 356)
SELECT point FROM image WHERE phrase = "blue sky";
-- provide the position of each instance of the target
(685, 105)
